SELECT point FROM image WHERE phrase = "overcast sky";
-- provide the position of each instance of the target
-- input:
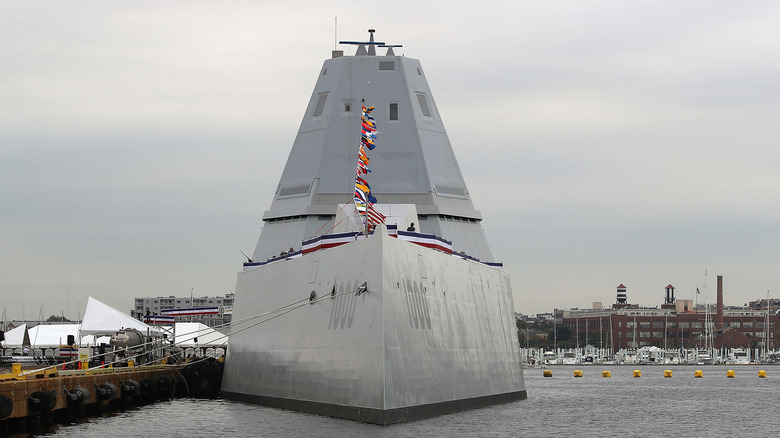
(604, 142)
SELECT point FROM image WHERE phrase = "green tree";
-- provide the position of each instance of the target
(55, 318)
(564, 334)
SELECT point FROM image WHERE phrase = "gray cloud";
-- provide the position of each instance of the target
(604, 142)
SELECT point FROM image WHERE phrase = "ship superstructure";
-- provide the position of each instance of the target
(414, 165)
(411, 320)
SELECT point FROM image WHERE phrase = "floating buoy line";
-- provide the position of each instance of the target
(667, 373)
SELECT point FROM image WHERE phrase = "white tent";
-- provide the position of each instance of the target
(45, 335)
(186, 332)
(102, 319)
(92, 340)
(50, 335)
(15, 337)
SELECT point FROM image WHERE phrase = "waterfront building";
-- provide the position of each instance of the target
(221, 305)
(774, 304)
(674, 324)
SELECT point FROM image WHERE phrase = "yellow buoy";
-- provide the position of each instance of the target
(577, 373)
(130, 363)
(606, 374)
(547, 373)
(730, 374)
(668, 373)
(637, 373)
(762, 373)
(698, 373)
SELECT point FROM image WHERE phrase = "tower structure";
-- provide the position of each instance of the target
(621, 298)
(414, 165)
(719, 308)
(669, 298)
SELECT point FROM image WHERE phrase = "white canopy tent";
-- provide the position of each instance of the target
(15, 337)
(50, 335)
(45, 335)
(186, 332)
(102, 319)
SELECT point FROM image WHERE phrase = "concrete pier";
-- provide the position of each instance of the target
(29, 400)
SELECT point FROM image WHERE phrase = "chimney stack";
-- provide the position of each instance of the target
(719, 310)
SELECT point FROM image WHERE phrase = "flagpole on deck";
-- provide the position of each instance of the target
(363, 197)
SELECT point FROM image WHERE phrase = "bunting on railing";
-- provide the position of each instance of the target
(363, 197)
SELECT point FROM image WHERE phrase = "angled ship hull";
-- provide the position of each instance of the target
(433, 333)
(380, 328)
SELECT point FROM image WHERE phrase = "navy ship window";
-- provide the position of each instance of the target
(320, 104)
(449, 218)
(426, 110)
(393, 111)
(347, 108)
(287, 219)
(387, 65)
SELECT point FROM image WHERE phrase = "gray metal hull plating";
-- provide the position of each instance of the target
(433, 334)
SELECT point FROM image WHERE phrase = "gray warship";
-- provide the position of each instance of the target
(410, 320)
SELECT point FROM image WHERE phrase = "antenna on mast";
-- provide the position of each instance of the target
(362, 51)
(336, 33)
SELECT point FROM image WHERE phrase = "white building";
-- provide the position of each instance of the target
(157, 305)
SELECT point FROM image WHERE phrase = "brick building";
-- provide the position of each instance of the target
(674, 324)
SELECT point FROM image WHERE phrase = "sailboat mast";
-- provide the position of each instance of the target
(766, 326)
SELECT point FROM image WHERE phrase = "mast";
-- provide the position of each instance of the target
(766, 326)
(578, 332)
(363, 198)
(708, 344)
(666, 327)
(586, 332)
(555, 333)
(601, 334)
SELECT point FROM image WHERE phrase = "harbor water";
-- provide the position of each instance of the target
(592, 405)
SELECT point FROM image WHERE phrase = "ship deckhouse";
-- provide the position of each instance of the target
(414, 165)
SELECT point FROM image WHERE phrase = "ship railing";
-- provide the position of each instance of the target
(326, 241)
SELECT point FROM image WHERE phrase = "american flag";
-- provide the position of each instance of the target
(375, 217)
